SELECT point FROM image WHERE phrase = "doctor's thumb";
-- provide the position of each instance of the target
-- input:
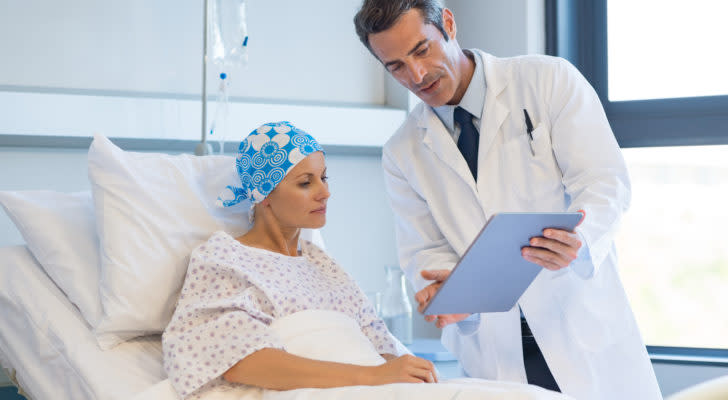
(583, 216)
(435, 274)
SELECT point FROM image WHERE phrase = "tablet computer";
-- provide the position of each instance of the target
(492, 275)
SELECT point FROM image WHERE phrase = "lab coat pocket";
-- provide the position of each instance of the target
(530, 165)
(593, 318)
(540, 143)
(534, 148)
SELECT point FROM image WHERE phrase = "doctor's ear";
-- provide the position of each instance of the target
(448, 22)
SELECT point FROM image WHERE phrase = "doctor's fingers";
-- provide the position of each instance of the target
(553, 252)
(435, 274)
(545, 258)
(423, 296)
(568, 250)
(570, 239)
(447, 319)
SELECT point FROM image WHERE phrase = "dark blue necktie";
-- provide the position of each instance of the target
(468, 140)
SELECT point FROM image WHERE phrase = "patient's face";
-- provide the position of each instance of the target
(299, 201)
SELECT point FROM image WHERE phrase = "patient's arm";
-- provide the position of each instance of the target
(276, 369)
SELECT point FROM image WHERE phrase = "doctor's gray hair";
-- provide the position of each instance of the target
(376, 16)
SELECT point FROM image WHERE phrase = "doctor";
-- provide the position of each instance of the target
(510, 134)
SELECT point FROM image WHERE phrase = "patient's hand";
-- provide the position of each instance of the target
(424, 296)
(404, 369)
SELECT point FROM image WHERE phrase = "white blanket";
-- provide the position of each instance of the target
(333, 336)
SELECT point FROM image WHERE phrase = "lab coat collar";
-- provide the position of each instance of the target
(439, 141)
(497, 79)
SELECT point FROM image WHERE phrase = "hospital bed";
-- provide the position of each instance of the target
(49, 348)
(50, 307)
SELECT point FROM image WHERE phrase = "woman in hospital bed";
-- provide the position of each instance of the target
(271, 311)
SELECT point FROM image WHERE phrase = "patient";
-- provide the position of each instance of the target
(237, 288)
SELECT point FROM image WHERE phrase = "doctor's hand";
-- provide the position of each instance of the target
(424, 296)
(555, 250)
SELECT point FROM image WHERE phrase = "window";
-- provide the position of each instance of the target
(666, 49)
(673, 257)
(644, 57)
(659, 69)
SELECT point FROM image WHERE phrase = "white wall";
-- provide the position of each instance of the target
(133, 69)
(299, 51)
(502, 28)
(49, 114)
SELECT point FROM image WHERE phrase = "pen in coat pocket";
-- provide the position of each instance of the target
(529, 130)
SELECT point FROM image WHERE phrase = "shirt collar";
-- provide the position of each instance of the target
(473, 100)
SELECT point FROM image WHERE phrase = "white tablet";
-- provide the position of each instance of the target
(492, 275)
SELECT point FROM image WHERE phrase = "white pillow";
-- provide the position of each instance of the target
(60, 231)
(152, 211)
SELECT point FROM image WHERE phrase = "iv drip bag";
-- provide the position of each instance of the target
(228, 33)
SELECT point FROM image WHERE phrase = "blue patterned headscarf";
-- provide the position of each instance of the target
(264, 158)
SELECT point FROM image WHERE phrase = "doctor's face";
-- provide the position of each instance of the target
(418, 56)
(299, 200)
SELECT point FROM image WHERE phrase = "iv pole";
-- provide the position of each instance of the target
(203, 148)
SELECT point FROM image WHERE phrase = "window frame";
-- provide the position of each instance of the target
(577, 31)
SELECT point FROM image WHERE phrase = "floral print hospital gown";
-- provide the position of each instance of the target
(233, 292)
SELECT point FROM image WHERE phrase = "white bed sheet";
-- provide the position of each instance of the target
(44, 338)
(336, 337)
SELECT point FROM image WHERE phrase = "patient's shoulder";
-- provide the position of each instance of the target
(217, 239)
(215, 265)
(308, 246)
(220, 244)
(220, 252)
(316, 254)
(312, 251)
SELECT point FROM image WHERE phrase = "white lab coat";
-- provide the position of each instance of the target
(579, 315)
